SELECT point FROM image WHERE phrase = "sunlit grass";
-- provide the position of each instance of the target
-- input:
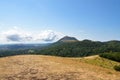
(99, 61)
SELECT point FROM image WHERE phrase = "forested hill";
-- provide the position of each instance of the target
(68, 39)
(81, 48)
(66, 47)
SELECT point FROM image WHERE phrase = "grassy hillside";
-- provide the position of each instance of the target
(36, 67)
(99, 61)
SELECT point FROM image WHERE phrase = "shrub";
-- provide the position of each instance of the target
(113, 56)
(117, 67)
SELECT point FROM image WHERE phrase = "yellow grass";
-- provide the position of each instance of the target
(99, 61)
(38, 67)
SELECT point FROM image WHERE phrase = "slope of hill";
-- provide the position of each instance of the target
(99, 61)
(80, 48)
(35, 67)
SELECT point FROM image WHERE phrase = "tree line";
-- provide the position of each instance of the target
(81, 48)
(69, 49)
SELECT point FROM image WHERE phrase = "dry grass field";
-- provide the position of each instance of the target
(39, 67)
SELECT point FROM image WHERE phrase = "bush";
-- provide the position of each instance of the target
(117, 67)
(113, 56)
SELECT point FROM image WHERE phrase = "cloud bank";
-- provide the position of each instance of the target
(19, 35)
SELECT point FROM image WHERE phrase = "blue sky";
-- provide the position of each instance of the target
(83, 19)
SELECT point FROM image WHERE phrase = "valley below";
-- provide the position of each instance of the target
(39, 67)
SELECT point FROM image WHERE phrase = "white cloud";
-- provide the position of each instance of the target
(18, 35)
(15, 35)
(48, 35)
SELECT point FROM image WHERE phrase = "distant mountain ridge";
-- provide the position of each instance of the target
(65, 47)
(68, 39)
(22, 46)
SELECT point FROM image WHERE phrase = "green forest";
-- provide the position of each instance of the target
(69, 49)
(80, 48)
